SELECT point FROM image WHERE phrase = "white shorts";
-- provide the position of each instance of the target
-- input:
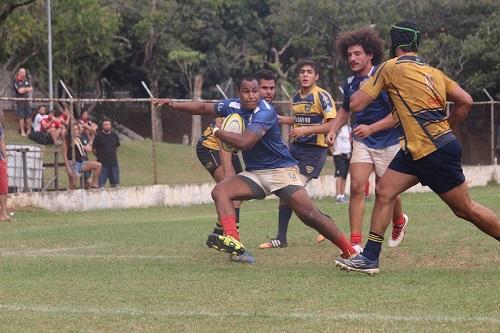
(379, 157)
(274, 179)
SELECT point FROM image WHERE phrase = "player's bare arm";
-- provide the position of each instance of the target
(243, 141)
(308, 130)
(462, 105)
(362, 131)
(287, 120)
(359, 101)
(335, 125)
(199, 108)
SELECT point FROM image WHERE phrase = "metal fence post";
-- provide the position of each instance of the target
(492, 126)
(154, 126)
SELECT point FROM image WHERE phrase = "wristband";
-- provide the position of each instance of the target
(215, 129)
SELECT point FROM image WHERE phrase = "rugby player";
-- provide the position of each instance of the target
(312, 109)
(375, 138)
(269, 169)
(220, 163)
(430, 153)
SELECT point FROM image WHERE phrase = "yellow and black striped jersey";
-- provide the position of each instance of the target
(314, 109)
(418, 93)
(208, 138)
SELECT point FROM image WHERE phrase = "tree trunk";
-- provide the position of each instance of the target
(196, 122)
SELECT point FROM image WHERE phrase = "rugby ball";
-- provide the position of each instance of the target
(234, 124)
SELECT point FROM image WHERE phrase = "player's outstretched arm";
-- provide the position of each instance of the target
(463, 103)
(336, 124)
(200, 108)
(363, 131)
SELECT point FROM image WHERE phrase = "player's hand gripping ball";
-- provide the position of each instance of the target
(234, 124)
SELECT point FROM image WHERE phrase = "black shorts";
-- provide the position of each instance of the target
(311, 158)
(440, 170)
(341, 165)
(23, 109)
(210, 159)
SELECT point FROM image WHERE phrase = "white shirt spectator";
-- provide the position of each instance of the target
(37, 123)
(342, 143)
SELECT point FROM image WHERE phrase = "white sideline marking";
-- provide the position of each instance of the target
(291, 315)
(56, 253)
(46, 251)
(89, 256)
(173, 219)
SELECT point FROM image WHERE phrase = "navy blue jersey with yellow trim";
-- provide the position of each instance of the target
(314, 109)
(376, 111)
(270, 152)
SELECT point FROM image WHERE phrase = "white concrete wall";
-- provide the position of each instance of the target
(184, 195)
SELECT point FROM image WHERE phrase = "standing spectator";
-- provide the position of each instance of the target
(341, 158)
(105, 147)
(23, 89)
(4, 180)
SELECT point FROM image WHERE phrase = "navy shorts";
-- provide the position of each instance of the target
(210, 159)
(311, 158)
(440, 170)
(341, 162)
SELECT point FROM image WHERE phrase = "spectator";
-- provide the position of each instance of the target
(38, 133)
(4, 181)
(78, 163)
(105, 147)
(23, 89)
(88, 127)
(341, 157)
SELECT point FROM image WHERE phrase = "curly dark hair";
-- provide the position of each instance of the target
(367, 38)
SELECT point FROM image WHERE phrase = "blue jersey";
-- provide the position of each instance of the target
(270, 152)
(377, 110)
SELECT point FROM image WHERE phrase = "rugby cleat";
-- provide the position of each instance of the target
(225, 244)
(358, 263)
(273, 244)
(244, 258)
(398, 233)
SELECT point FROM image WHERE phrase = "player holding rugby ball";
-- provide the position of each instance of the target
(269, 169)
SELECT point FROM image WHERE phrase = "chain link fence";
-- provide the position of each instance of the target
(157, 144)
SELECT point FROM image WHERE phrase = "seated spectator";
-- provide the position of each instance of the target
(78, 163)
(88, 127)
(37, 134)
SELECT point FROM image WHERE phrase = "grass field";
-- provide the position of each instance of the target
(148, 270)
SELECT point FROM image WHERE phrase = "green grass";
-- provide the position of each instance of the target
(148, 270)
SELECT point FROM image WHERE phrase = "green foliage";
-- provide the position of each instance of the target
(132, 40)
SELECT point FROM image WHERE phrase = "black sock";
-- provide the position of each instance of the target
(218, 229)
(284, 215)
(373, 246)
(237, 218)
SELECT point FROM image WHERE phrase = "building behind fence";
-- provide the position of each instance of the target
(157, 143)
